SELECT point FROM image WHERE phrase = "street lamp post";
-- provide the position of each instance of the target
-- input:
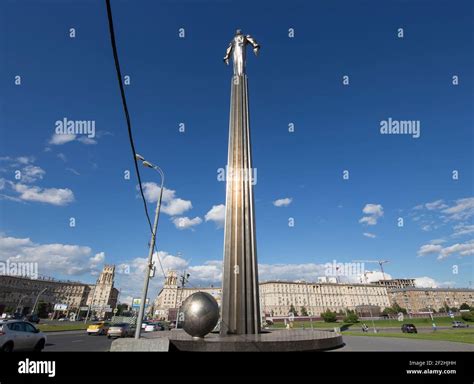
(36, 301)
(184, 280)
(149, 268)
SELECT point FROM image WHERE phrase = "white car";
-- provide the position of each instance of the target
(150, 327)
(16, 335)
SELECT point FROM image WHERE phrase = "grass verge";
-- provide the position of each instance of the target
(455, 335)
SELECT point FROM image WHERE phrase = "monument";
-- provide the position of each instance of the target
(240, 313)
(240, 296)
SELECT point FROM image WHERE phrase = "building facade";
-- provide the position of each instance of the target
(426, 299)
(397, 283)
(171, 297)
(278, 297)
(103, 296)
(18, 294)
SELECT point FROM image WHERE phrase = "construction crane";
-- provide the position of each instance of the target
(379, 262)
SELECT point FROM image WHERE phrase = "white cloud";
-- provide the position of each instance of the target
(31, 173)
(463, 209)
(72, 170)
(61, 139)
(426, 282)
(210, 272)
(373, 276)
(429, 248)
(373, 212)
(17, 161)
(308, 271)
(462, 230)
(171, 205)
(176, 207)
(97, 259)
(62, 156)
(216, 214)
(369, 235)
(86, 140)
(53, 258)
(186, 222)
(285, 202)
(435, 205)
(54, 196)
(463, 249)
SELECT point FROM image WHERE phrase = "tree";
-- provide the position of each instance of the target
(468, 316)
(293, 310)
(398, 309)
(351, 317)
(464, 306)
(388, 311)
(121, 308)
(329, 316)
(304, 312)
(43, 309)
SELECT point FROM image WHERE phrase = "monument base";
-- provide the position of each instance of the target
(295, 340)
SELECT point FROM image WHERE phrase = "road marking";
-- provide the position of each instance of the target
(77, 341)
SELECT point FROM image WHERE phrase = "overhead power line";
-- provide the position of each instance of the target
(127, 117)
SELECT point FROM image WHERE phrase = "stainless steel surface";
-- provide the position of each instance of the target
(237, 47)
(240, 297)
(200, 313)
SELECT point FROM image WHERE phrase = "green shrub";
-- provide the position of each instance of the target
(351, 317)
(329, 317)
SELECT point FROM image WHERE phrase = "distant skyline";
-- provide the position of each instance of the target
(333, 86)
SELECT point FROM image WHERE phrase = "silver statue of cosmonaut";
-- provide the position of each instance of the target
(237, 47)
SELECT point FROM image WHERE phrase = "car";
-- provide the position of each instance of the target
(156, 326)
(460, 324)
(63, 319)
(150, 327)
(120, 330)
(98, 328)
(18, 335)
(409, 328)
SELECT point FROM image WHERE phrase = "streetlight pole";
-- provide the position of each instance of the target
(19, 302)
(91, 303)
(149, 267)
(36, 301)
(184, 280)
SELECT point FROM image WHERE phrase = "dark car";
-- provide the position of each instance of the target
(460, 324)
(409, 328)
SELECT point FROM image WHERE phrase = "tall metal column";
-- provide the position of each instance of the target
(240, 301)
(240, 295)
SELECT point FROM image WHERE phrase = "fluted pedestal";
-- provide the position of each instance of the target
(240, 296)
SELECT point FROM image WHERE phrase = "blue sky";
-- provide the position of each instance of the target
(294, 80)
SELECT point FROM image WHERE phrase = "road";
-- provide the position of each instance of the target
(80, 341)
(76, 341)
(371, 343)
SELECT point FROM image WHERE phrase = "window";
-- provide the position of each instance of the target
(29, 328)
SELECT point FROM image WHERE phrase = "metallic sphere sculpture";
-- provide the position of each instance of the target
(200, 313)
